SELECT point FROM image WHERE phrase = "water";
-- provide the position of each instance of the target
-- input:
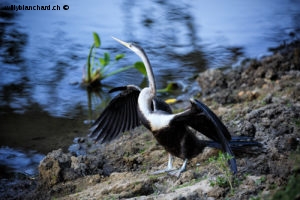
(42, 104)
(20, 162)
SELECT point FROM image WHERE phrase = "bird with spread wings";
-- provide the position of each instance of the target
(133, 107)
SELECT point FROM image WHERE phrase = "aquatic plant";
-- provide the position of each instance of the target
(97, 69)
(170, 87)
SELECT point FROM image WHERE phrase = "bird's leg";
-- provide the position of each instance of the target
(177, 172)
(170, 162)
(169, 167)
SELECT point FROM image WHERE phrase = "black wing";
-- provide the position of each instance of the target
(203, 120)
(218, 131)
(120, 115)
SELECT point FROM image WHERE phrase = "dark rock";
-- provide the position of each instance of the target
(211, 81)
(52, 166)
(248, 129)
(268, 99)
(57, 167)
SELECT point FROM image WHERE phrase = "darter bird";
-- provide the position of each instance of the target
(175, 132)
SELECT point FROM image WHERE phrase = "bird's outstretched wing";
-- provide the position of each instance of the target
(220, 132)
(120, 115)
(200, 118)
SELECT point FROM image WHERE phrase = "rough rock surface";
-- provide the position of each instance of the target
(259, 99)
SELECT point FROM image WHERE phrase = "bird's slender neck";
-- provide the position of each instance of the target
(150, 74)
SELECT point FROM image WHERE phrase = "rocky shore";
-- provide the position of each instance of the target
(260, 98)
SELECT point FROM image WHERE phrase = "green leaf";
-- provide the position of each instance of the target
(89, 65)
(102, 61)
(119, 71)
(119, 56)
(106, 58)
(140, 67)
(97, 40)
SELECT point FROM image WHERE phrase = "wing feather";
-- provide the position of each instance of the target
(130, 115)
(110, 129)
(202, 119)
(214, 119)
(120, 115)
(118, 127)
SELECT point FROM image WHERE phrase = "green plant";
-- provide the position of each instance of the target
(220, 181)
(261, 180)
(170, 87)
(254, 198)
(97, 69)
(290, 191)
(221, 163)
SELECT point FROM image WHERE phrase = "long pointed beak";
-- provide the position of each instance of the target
(122, 42)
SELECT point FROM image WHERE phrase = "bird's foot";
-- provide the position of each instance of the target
(167, 170)
(172, 172)
(176, 172)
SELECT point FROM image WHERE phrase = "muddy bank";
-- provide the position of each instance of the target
(260, 99)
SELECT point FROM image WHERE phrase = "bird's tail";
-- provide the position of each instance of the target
(240, 145)
(245, 145)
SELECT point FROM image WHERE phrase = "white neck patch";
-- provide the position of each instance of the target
(156, 119)
(159, 121)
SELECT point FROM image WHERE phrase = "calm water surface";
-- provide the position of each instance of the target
(43, 53)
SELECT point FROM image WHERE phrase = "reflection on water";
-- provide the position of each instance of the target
(16, 162)
(36, 129)
(42, 55)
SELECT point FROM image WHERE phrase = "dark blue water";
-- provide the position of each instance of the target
(43, 53)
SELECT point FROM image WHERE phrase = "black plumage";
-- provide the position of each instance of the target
(119, 116)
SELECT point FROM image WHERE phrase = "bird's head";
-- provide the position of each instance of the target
(141, 53)
(132, 46)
